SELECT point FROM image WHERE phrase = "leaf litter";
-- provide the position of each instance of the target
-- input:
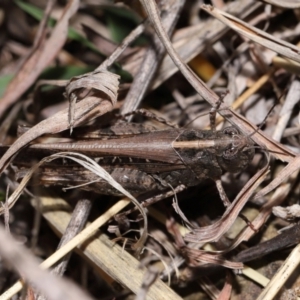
(209, 250)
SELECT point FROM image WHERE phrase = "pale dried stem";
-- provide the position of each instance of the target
(77, 222)
(27, 265)
(282, 275)
(44, 51)
(151, 59)
(133, 35)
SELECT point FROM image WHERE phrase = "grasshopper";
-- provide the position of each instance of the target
(143, 159)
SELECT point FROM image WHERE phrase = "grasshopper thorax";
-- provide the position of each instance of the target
(234, 150)
(209, 153)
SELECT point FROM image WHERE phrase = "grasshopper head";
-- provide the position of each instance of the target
(234, 155)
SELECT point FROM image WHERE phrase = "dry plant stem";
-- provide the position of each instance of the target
(249, 92)
(287, 171)
(152, 58)
(288, 238)
(80, 238)
(44, 52)
(42, 30)
(255, 276)
(82, 81)
(86, 109)
(252, 89)
(282, 275)
(289, 65)
(110, 257)
(259, 60)
(277, 198)
(285, 4)
(191, 250)
(256, 35)
(240, 49)
(101, 251)
(222, 193)
(201, 88)
(27, 265)
(36, 223)
(209, 288)
(134, 34)
(216, 230)
(148, 280)
(287, 108)
(5, 125)
(227, 288)
(78, 220)
(153, 200)
(190, 42)
(103, 67)
(6, 212)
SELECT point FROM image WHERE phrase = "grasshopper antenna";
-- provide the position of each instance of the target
(266, 117)
(212, 113)
(260, 126)
(263, 122)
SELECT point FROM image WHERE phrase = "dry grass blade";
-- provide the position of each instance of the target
(98, 82)
(255, 276)
(77, 222)
(27, 265)
(81, 237)
(153, 56)
(230, 56)
(122, 47)
(198, 84)
(103, 81)
(187, 46)
(43, 54)
(215, 231)
(277, 198)
(259, 36)
(196, 256)
(227, 288)
(292, 167)
(286, 111)
(87, 109)
(285, 4)
(104, 253)
(92, 166)
(279, 151)
(108, 255)
(282, 275)
(8, 121)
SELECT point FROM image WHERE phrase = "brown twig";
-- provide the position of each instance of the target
(152, 58)
(27, 265)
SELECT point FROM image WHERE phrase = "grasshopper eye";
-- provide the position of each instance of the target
(230, 131)
(230, 153)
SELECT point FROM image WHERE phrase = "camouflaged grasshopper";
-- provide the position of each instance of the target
(143, 158)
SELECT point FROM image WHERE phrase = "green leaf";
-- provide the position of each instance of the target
(121, 22)
(38, 14)
(4, 81)
(2, 197)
